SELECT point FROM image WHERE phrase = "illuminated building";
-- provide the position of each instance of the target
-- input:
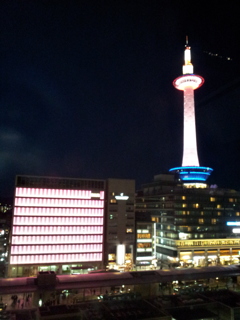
(192, 226)
(71, 225)
(58, 225)
(120, 222)
(145, 245)
(193, 223)
(191, 173)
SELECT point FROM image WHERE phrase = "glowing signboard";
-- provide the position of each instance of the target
(233, 223)
(122, 197)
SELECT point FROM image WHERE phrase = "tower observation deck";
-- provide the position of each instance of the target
(191, 173)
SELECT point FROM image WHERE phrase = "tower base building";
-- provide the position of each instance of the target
(193, 227)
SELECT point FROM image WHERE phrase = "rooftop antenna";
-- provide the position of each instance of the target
(186, 41)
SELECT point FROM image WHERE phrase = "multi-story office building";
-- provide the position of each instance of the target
(193, 226)
(145, 241)
(120, 222)
(71, 225)
(58, 225)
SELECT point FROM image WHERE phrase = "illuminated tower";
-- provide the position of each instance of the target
(191, 173)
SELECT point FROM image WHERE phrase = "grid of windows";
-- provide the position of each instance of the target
(57, 226)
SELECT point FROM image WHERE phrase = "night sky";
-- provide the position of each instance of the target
(86, 88)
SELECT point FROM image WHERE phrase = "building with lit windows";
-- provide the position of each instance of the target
(58, 225)
(193, 226)
(120, 223)
(145, 246)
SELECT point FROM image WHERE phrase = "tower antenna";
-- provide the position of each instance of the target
(186, 41)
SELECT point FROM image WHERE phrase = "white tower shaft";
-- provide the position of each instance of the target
(190, 154)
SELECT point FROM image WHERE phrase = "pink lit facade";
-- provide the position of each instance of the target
(59, 227)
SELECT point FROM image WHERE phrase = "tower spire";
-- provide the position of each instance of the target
(187, 67)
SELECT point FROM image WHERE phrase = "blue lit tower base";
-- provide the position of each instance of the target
(193, 176)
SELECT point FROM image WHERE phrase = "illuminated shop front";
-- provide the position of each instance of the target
(56, 225)
(208, 252)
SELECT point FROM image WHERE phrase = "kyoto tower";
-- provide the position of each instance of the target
(190, 173)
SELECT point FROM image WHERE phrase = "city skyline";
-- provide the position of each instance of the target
(86, 89)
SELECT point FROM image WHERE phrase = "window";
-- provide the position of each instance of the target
(129, 230)
(112, 237)
(112, 224)
(184, 205)
(200, 221)
(195, 205)
(113, 201)
(144, 245)
(183, 198)
(237, 213)
(144, 236)
(214, 221)
(219, 213)
(212, 199)
(231, 200)
(219, 206)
